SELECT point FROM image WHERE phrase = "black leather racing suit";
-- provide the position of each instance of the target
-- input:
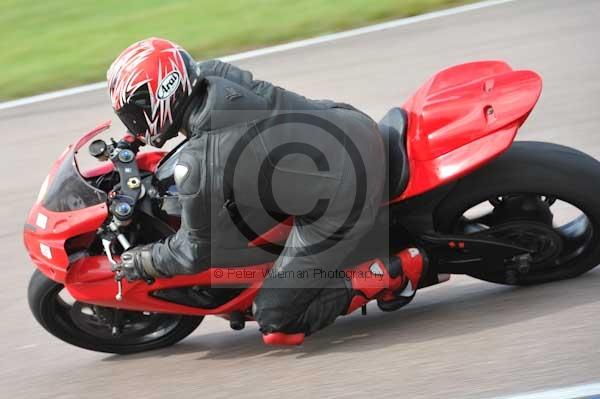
(257, 153)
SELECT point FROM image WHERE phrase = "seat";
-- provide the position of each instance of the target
(393, 131)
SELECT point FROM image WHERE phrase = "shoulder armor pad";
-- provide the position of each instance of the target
(180, 173)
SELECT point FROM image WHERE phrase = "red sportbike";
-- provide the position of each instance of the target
(476, 202)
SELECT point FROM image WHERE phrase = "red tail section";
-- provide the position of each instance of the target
(463, 117)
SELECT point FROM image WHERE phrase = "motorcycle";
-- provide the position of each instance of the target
(476, 202)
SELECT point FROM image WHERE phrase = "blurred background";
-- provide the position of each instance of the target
(49, 45)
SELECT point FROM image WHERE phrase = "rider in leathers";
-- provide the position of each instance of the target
(257, 152)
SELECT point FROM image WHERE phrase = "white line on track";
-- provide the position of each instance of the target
(578, 391)
(30, 346)
(279, 48)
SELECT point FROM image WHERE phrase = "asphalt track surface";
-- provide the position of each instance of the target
(462, 339)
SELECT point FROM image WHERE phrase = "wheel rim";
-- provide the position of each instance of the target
(556, 235)
(109, 325)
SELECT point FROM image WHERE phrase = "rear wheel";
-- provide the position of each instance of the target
(99, 328)
(541, 196)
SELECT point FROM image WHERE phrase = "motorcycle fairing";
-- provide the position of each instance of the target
(464, 117)
(49, 226)
(46, 231)
(92, 281)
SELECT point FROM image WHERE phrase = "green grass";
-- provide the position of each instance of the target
(53, 44)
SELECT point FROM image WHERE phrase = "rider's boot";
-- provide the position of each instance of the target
(393, 282)
(284, 339)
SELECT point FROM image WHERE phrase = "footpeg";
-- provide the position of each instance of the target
(237, 321)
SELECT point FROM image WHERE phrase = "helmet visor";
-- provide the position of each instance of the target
(132, 113)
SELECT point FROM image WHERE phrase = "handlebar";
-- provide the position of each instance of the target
(123, 197)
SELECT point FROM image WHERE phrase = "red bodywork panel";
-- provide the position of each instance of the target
(60, 226)
(276, 234)
(464, 117)
(53, 229)
(92, 281)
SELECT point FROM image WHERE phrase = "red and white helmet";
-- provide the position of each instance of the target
(150, 84)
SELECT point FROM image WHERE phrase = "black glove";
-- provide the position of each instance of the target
(136, 264)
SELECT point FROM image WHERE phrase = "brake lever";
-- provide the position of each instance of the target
(106, 245)
(115, 267)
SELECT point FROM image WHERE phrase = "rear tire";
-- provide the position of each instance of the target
(56, 317)
(533, 168)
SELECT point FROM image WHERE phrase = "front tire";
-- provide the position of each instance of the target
(532, 174)
(89, 327)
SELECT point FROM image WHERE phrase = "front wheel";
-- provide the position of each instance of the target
(542, 196)
(103, 329)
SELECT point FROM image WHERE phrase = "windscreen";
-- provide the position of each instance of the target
(68, 191)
